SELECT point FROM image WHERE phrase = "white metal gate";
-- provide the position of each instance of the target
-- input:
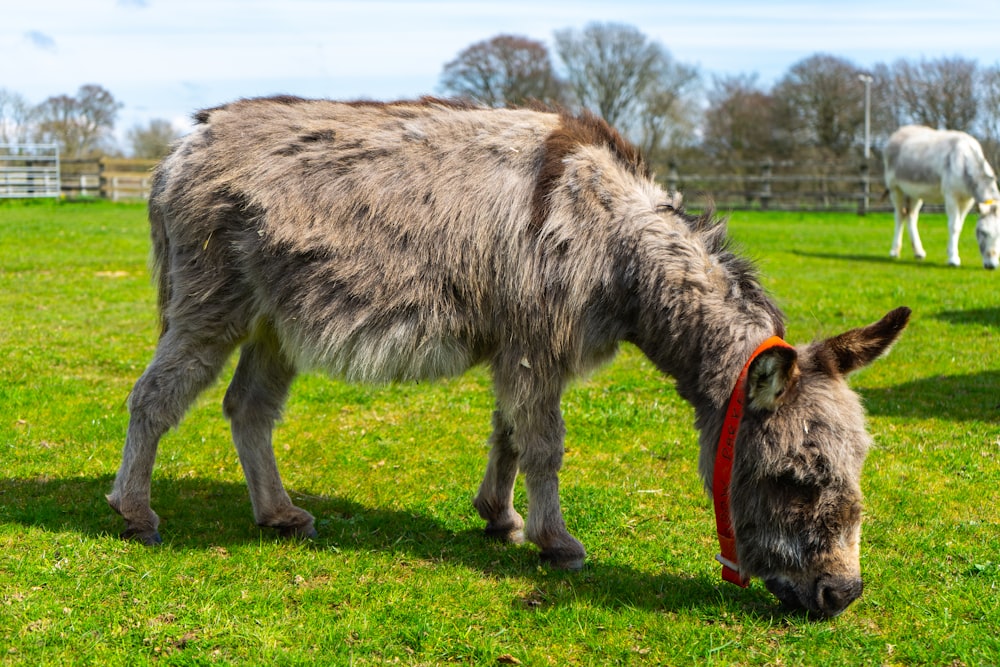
(29, 170)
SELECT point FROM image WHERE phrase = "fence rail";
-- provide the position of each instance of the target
(769, 185)
(117, 179)
(765, 185)
(29, 170)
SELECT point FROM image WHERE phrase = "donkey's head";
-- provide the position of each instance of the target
(795, 493)
(988, 234)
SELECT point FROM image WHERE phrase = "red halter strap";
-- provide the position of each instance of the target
(724, 468)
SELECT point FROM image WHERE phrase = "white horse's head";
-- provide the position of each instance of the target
(988, 233)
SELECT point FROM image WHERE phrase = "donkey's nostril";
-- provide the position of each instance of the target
(835, 594)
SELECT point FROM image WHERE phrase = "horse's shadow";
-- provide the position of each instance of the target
(199, 514)
(877, 259)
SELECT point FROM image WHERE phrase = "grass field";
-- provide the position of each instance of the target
(400, 573)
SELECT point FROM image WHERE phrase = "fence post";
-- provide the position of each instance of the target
(766, 169)
(673, 179)
(865, 190)
(102, 185)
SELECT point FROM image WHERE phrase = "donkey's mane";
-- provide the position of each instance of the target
(585, 129)
(745, 275)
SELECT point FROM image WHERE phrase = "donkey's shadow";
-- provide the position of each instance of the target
(202, 514)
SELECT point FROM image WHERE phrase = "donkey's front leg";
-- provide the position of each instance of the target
(529, 423)
(253, 403)
(540, 442)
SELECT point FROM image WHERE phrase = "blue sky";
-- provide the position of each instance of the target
(167, 58)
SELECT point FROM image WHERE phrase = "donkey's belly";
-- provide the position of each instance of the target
(393, 352)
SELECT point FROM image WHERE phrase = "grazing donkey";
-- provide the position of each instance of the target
(411, 240)
(922, 163)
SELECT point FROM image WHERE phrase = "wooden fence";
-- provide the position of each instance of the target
(770, 185)
(117, 179)
(765, 185)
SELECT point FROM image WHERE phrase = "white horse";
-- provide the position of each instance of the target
(922, 163)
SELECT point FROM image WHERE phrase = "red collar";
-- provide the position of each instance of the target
(724, 469)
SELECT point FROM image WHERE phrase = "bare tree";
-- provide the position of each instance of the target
(989, 122)
(937, 93)
(632, 82)
(820, 107)
(740, 120)
(78, 124)
(504, 70)
(154, 140)
(15, 118)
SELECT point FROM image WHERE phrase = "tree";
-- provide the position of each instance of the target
(78, 124)
(633, 83)
(819, 107)
(989, 125)
(740, 120)
(504, 70)
(15, 118)
(941, 93)
(154, 140)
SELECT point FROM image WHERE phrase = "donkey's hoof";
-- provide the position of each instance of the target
(298, 531)
(510, 535)
(563, 561)
(568, 556)
(507, 531)
(150, 538)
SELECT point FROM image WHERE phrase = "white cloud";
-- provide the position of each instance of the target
(167, 58)
(40, 40)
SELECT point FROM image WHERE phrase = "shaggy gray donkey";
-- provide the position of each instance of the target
(388, 242)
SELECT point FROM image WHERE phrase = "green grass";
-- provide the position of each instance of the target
(400, 572)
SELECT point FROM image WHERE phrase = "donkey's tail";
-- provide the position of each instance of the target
(159, 258)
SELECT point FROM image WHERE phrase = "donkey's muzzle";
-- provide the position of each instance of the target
(834, 594)
(827, 597)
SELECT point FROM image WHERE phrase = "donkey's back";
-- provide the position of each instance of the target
(377, 240)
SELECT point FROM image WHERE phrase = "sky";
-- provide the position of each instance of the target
(164, 59)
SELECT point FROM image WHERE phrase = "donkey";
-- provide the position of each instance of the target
(923, 163)
(404, 241)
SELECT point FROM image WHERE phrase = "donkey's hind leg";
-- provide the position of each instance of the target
(183, 366)
(253, 404)
(495, 500)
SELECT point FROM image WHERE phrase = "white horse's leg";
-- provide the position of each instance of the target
(911, 225)
(956, 210)
(898, 208)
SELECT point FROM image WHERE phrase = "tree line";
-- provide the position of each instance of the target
(815, 112)
(81, 125)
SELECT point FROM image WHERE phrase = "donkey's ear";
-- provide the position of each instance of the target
(856, 348)
(770, 377)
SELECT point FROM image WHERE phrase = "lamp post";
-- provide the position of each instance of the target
(867, 80)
